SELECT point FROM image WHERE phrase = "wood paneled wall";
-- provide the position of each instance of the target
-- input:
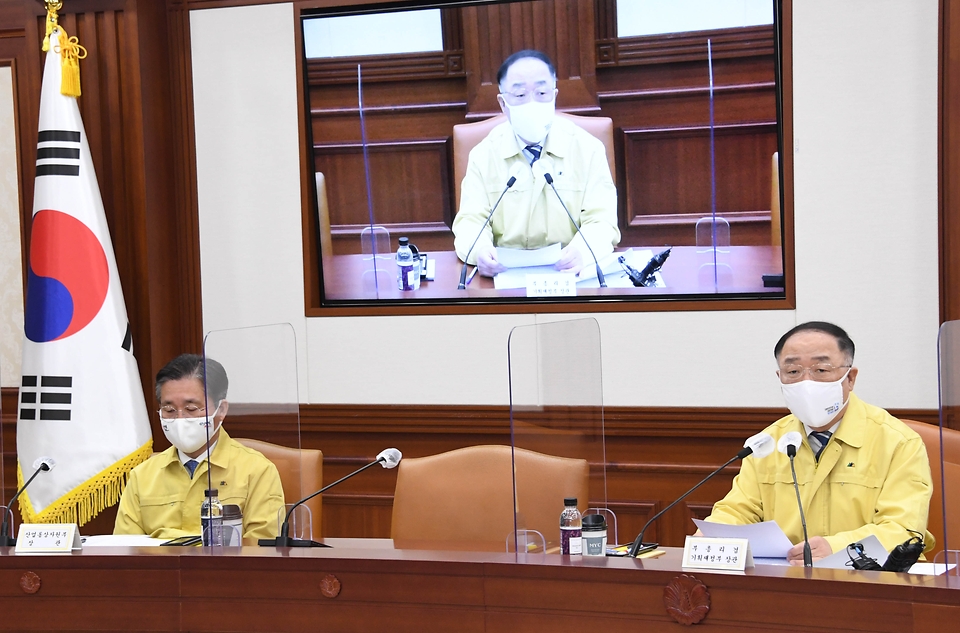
(654, 88)
(949, 155)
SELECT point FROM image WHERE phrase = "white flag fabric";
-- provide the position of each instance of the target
(81, 401)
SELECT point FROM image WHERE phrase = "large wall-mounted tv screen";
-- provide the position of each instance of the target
(637, 144)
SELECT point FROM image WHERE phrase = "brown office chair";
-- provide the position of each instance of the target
(951, 458)
(466, 495)
(467, 135)
(301, 472)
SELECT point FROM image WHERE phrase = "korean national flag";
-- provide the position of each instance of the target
(81, 402)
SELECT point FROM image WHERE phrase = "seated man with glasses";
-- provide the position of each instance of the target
(860, 470)
(534, 141)
(163, 495)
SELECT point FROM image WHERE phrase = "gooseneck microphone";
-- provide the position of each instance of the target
(788, 445)
(549, 178)
(514, 172)
(388, 458)
(759, 445)
(42, 464)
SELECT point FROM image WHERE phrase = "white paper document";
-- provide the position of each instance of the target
(521, 258)
(521, 263)
(767, 540)
(121, 540)
(875, 550)
(613, 273)
(841, 560)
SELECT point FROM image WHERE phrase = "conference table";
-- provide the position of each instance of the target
(688, 271)
(379, 585)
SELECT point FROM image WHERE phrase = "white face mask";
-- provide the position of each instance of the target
(814, 403)
(532, 120)
(189, 434)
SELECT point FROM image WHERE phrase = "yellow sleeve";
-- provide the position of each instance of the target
(903, 503)
(598, 216)
(742, 505)
(473, 211)
(264, 501)
(128, 512)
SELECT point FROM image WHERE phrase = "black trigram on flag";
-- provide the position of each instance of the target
(58, 153)
(52, 397)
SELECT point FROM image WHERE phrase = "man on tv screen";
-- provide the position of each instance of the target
(530, 145)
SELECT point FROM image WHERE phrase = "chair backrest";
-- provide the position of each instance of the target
(301, 472)
(951, 474)
(323, 213)
(467, 135)
(466, 495)
(775, 229)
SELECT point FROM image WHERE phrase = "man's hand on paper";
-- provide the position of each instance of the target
(819, 548)
(487, 262)
(571, 260)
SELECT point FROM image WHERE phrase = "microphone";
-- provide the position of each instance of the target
(759, 445)
(656, 263)
(42, 464)
(549, 178)
(635, 277)
(514, 172)
(788, 445)
(388, 458)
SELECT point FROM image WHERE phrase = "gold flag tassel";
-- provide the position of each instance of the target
(90, 498)
(70, 55)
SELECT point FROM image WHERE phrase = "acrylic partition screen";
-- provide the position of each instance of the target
(945, 511)
(254, 371)
(694, 210)
(556, 419)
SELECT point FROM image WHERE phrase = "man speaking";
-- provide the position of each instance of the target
(860, 470)
(532, 142)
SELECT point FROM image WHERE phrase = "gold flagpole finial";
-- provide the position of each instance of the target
(52, 7)
(70, 51)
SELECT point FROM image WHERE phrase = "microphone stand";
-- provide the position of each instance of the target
(807, 554)
(463, 271)
(284, 539)
(549, 178)
(656, 263)
(6, 540)
(639, 546)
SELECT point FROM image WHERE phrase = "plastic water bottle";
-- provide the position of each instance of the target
(571, 542)
(211, 518)
(408, 267)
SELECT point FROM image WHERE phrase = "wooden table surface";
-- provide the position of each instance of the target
(350, 277)
(361, 585)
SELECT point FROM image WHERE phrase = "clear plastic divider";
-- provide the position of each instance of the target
(263, 411)
(944, 519)
(713, 253)
(557, 430)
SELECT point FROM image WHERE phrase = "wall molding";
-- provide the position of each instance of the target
(377, 419)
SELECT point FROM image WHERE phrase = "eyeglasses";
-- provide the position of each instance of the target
(541, 95)
(169, 412)
(821, 372)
